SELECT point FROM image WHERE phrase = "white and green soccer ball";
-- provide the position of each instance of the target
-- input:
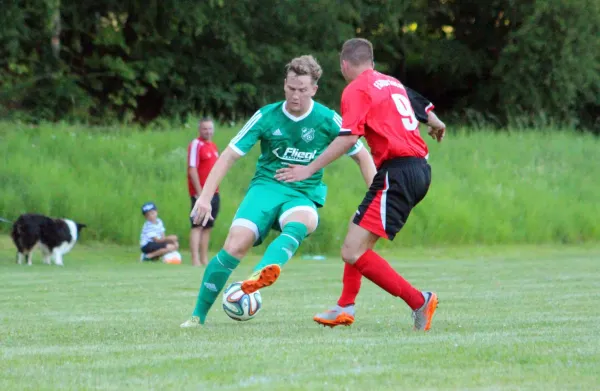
(239, 305)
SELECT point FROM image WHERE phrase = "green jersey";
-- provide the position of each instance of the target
(288, 139)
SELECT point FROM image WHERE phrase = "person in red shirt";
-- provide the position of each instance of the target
(387, 114)
(202, 156)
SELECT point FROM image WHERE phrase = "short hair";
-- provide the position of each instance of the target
(357, 51)
(205, 119)
(305, 65)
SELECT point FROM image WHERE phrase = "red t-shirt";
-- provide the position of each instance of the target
(202, 155)
(387, 113)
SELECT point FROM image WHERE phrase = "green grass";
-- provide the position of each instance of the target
(488, 188)
(510, 318)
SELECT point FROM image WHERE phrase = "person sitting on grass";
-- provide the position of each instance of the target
(153, 241)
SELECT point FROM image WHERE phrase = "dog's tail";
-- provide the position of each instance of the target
(2, 219)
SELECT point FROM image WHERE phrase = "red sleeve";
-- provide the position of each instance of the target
(355, 106)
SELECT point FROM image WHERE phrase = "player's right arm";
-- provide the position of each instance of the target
(193, 158)
(241, 144)
(217, 173)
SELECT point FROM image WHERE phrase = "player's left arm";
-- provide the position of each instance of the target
(355, 105)
(437, 129)
(296, 173)
(160, 238)
(367, 167)
(423, 110)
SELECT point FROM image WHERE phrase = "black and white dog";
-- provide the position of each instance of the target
(56, 237)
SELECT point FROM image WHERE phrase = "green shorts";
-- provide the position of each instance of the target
(266, 205)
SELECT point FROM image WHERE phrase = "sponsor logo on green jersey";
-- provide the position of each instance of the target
(295, 155)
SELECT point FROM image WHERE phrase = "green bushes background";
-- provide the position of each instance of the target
(498, 61)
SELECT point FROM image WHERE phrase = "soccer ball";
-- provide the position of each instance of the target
(173, 258)
(239, 305)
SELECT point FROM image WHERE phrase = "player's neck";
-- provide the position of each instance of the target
(298, 114)
(359, 70)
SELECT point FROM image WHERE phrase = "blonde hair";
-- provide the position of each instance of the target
(305, 65)
(357, 51)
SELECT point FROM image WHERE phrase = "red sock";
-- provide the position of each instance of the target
(378, 270)
(351, 287)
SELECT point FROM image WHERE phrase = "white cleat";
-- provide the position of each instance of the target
(194, 321)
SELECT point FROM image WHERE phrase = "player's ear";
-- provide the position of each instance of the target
(315, 87)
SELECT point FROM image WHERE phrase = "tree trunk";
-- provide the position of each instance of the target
(56, 28)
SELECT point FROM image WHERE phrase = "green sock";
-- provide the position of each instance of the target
(215, 276)
(284, 247)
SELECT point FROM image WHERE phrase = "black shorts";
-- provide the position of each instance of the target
(152, 247)
(399, 185)
(215, 203)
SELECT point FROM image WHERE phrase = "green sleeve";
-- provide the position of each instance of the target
(337, 122)
(355, 148)
(243, 142)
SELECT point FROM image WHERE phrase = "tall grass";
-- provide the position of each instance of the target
(512, 187)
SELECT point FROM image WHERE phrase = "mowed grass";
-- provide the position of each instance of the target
(510, 318)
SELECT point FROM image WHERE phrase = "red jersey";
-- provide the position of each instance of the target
(387, 113)
(202, 155)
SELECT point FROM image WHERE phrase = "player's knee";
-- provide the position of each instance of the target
(350, 253)
(171, 247)
(238, 242)
(311, 222)
(311, 226)
(308, 219)
(235, 249)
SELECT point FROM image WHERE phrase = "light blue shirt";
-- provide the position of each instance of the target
(151, 231)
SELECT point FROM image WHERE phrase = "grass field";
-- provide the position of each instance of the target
(510, 318)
